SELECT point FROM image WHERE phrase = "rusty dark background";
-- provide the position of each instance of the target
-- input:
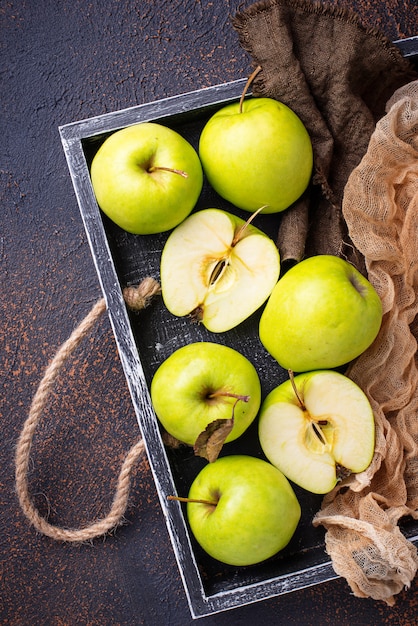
(63, 61)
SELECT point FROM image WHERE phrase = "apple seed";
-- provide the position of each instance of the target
(318, 432)
(218, 271)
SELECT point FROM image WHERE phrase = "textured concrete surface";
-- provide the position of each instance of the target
(64, 61)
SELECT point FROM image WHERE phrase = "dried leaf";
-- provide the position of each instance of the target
(210, 442)
(170, 441)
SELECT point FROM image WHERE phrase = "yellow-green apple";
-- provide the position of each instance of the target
(260, 154)
(316, 424)
(249, 510)
(146, 178)
(322, 314)
(218, 268)
(202, 382)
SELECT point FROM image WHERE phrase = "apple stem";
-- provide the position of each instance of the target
(243, 228)
(295, 389)
(227, 394)
(247, 86)
(153, 168)
(180, 499)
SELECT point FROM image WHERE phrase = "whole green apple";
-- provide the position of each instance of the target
(322, 314)
(202, 382)
(315, 424)
(250, 511)
(146, 178)
(217, 268)
(260, 155)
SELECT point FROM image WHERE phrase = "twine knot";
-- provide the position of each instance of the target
(137, 297)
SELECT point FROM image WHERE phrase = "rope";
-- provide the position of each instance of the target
(136, 298)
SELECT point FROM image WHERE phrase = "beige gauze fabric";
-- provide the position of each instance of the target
(359, 101)
(380, 206)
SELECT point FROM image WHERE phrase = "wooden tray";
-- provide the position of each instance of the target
(145, 340)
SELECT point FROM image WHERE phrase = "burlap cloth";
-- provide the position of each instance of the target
(359, 100)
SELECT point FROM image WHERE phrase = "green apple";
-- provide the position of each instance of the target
(146, 178)
(250, 512)
(322, 314)
(218, 268)
(312, 427)
(258, 155)
(202, 382)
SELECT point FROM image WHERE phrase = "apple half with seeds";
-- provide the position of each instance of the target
(316, 428)
(218, 268)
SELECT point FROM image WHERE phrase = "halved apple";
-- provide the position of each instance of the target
(218, 268)
(315, 426)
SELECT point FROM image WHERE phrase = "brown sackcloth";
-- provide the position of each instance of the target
(337, 76)
(359, 100)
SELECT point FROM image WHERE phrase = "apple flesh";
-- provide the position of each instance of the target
(217, 268)
(321, 314)
(321, 421)
(146, 178)
(200, 383)
(260, 155)
(251, 511)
